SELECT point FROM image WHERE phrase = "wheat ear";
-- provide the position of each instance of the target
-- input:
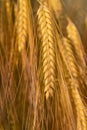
(21, 25)
(8, 6)
(1, 23)
(73, 34)
(81, 119)
(80, 109)
(47, 37)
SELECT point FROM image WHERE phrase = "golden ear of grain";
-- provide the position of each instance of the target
(73, 69)
(73, 35)
(1, 23)
(80, 108)
(4, 33)
(8, 6)
(74, 84)
(76, 42)
(22, 24)
(47, 37)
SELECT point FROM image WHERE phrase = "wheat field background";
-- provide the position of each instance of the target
(43, 65)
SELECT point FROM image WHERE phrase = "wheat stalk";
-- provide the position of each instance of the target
(47, 37)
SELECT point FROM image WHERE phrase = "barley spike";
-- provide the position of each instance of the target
(22, 24)
(47, 37)
(75, 84)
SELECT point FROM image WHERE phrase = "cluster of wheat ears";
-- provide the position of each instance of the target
(43, 68)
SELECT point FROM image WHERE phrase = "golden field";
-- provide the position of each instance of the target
(43, 65)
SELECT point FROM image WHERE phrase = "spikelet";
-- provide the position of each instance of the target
(47, 37)
(22, 24)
